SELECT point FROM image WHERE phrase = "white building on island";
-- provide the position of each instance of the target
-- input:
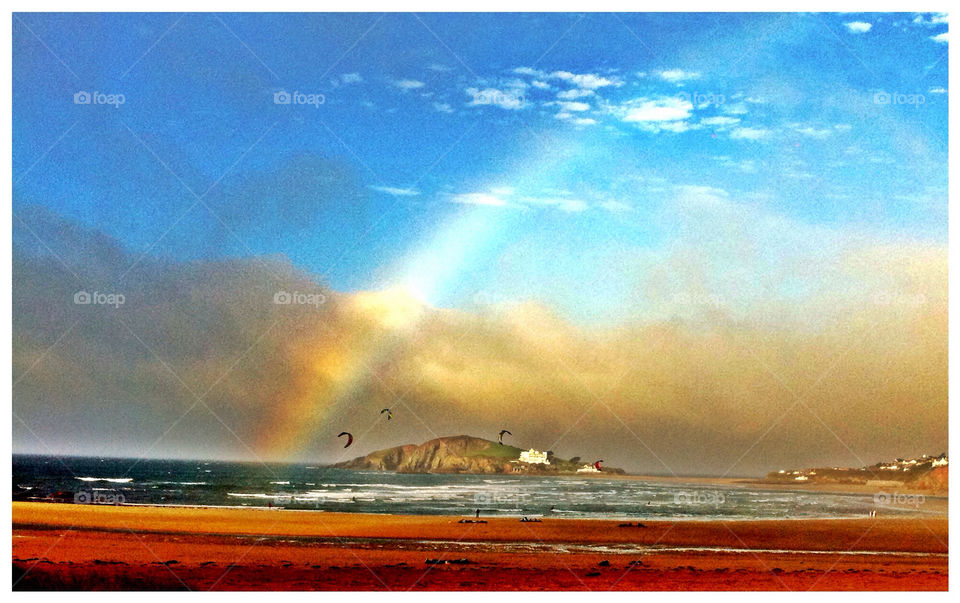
(534, 457)
(588, 468)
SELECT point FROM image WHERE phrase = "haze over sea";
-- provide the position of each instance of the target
(297, 486)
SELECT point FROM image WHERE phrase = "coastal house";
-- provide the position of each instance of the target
(908, 464)
(588, 468)
(534, 457)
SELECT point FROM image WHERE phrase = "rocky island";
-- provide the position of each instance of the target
(467, 454)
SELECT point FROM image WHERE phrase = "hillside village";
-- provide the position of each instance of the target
(923, 472)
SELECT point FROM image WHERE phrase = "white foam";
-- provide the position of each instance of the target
(115, 480)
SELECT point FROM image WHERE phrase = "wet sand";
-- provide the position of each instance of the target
(92, 547)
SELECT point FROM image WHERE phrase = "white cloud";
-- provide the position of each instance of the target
(439, 67)
(351, 78)
(443, 107)
(812, 131)
(540, 85)
(857, 27)
(663, 109)
(677, 126)
(574, 93)
(941, 38)
(505, 99)
(586, 80)
(504, 196)
(678, 75)
(514, 84)
(567, 205)
(579, 121)
(719, 120)
(397, 192)
(734, 109)
(575, 106)
(937, 90)
(529, 71)
(931, 20)
(797, 174)
(408, 84)
(479, 199)
(750, 133)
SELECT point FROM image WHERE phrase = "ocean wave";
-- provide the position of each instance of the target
(114, 480)
(248, 485)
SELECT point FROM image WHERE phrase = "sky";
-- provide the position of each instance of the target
(724, 183)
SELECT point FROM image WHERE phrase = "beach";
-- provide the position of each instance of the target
(151, 547)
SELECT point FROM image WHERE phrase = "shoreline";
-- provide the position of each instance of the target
(169, 548)
(163, 519)
(760, 484)
(930, 505)
(895, 512)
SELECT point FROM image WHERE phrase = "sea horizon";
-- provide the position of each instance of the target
(298, 486)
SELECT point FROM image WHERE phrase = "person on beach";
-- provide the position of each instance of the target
(478, 513)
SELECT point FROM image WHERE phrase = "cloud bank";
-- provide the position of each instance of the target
(199, 361)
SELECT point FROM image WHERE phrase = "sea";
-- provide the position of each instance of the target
(86, 480)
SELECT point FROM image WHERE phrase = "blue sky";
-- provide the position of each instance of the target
(553, 157)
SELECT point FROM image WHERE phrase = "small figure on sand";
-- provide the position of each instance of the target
(477, 520)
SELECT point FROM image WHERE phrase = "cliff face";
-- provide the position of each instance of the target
(458, 454)
(936, 481)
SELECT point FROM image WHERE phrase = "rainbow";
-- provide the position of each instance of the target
(338, 367)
